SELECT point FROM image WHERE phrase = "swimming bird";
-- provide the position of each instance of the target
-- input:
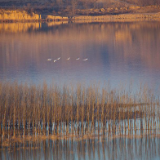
(77, 59)
(59, 58)
(49, 59)
(68, 58)
(55, 60)
(85, 59)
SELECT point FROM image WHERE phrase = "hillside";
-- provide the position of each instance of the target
(82, 7)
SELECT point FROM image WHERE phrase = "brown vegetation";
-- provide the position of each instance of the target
(110, 12)
(30, 110)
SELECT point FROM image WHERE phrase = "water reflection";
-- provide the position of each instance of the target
(102, 149)
(115, 51)
(18, 27)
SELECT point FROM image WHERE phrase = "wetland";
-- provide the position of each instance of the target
(80, 90)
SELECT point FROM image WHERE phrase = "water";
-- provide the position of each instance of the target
(116, 52)
(123, 54)
(96, 149)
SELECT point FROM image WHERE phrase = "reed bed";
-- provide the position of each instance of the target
(50, 111)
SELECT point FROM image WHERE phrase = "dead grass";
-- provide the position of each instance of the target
(104, 14)
(33, 113)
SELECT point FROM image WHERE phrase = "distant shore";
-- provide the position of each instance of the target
(92, 15)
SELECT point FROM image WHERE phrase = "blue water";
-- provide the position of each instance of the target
(118, 53)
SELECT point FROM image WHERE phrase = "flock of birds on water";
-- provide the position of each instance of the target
(49, 59)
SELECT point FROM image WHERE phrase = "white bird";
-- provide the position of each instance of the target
(77, 59)
(59, 58)
(85, 59)
(55, 60)
(49, 59)
(68, 58)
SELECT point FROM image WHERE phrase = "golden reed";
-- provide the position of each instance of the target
(48, 110)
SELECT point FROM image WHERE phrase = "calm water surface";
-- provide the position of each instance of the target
(91, 149)
(119, 53)
(116, 52)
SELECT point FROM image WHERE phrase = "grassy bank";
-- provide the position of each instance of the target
(82, 7)
(28, 110)
(132, 13)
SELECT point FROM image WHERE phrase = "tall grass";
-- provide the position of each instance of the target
(50, 110)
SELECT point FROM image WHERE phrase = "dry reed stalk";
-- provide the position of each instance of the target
(33, 104)
(119, 116)
(93, 109)
(135, 112)
(60, 111)
(5, 112)
(102, 108)
(124, 112)
(24, 118)
(24, 109)
(88, 106)
(107, 113)
(15, 93)
(39, 110)
(154, 115)
(20, 110)
(64, 110)
(54, 109)
(67, 110)
(128, 119)
(111, 112)
(7, 116)
(28, 110)
(82, 109)
(72, 109)
(49, 109)
(78, 91)
(10, 109)
(57, 115)
(44, 106)
(98, 110)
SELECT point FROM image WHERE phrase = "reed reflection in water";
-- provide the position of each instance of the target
(144, 148)
(115, 52)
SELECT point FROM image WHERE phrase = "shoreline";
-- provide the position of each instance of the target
(22, 140)
(12, 16)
